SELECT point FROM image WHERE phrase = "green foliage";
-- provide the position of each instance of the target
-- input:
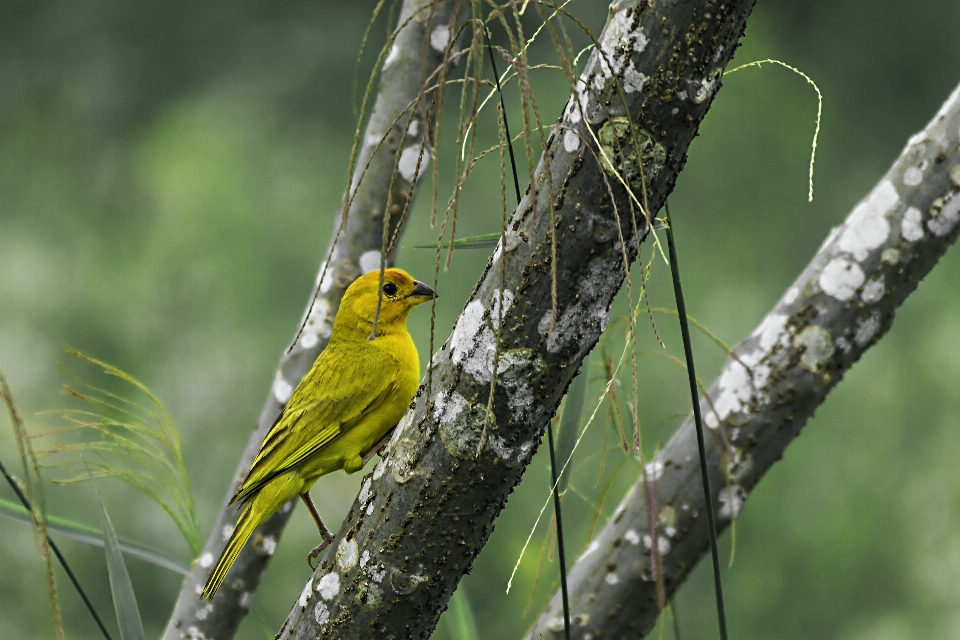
(459, 616)
(92, 536)
(124, 599)
(132, 442)
(570, 425)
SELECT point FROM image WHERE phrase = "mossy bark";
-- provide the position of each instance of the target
(841, 304)
(427, 509)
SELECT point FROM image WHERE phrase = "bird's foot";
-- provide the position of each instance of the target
(317, 550)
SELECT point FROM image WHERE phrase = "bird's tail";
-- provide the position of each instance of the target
(256, 511)
(245, 527)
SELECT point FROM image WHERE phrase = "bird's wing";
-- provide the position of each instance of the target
(339, 389)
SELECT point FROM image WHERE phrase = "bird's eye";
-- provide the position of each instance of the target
(390, 289)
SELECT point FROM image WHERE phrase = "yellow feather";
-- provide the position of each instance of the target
(355, 393)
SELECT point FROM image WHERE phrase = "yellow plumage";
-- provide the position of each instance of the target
(355, 393)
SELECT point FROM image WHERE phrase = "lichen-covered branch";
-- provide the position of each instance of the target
(841, 304)
(428, 507)
(390, 160)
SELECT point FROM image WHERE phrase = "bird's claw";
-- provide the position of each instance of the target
(317, 550)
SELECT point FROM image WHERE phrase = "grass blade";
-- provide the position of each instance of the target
(482, 241)
(94, 537)
(708, 496)
(570, 425)
(124, 599)
(462, 624)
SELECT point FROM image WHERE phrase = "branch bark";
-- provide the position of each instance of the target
(389, 182)
(842, 304)
(428, 508)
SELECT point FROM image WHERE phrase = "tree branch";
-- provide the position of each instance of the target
(354, 248)
(841, 305)
(428, 508)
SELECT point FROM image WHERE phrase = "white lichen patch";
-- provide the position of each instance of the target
(380, 469)
(735, 390)
(193, 633)
(632, 537)
(654, 470)
(407, 165)
(496, 312)
(369, 261)
(874, 289)
(611, 578)
(912, 176)
(472, 338)
(663, 544)
(329, 586)
(911, 227)
(269, 544)
(791, 295)
(707, 86)
(947, 218)
(772, 331)
(890, 255)
(204, 612)
(206, 560)
(511, 456)
(633, 80)
(347, 555)
(364, 491)
(711, 420)
(321, 614)
(866, 228)
(841, 278)
(364, 558)
(867, 329)
(325, 277)
(245, 599)
(731, 501)
(587, 316)
(440, 38)
(413, 128)
(571, 141)
(319, 323)
(377, 573)
(281, 389)
(392, 57)
(305, 594)
(226, 531)
(449, 406)
(590, 549)
(818, 347)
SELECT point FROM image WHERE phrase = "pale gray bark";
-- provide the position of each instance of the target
(841, 304)
(428, 508)
(352, 250)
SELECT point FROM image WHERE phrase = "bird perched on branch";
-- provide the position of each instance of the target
(342, 411)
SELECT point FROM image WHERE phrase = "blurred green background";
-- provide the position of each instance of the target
(168, 177)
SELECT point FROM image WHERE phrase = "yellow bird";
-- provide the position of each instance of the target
(342, 411)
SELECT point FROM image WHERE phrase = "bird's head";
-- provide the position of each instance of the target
(400, 294)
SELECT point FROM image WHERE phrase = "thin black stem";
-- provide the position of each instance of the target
(56, 551)
(553, 458)
(560, 554)
(695, 397)
(506, 127)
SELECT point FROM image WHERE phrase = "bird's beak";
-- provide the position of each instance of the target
(421, 290)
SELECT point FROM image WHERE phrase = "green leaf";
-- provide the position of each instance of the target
(122, 436)
(94, 537)
(460, 618)
(570, 425)
(483, 241)
(124, 599)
